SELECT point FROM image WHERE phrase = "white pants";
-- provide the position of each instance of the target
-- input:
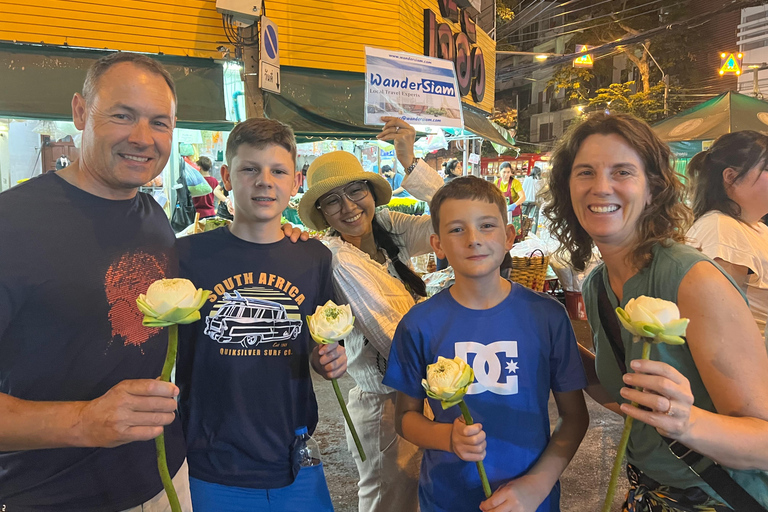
(389, 477)
(160, 502)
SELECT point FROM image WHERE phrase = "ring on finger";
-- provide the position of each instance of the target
(668, 412)
(397, 129)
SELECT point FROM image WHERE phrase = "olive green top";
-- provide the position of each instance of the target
(646, 449)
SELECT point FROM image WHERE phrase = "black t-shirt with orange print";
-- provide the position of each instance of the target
(71, 267)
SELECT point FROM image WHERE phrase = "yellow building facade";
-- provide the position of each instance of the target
(322, 34)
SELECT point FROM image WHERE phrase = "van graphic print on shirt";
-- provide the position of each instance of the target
(494, 365)
(255, 316)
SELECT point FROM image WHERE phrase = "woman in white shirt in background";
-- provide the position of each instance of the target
(729, 192)
(371, 271)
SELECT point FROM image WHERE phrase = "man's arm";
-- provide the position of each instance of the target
(530, 490)
(133, 410)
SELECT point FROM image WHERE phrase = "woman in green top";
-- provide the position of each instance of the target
(612, 185)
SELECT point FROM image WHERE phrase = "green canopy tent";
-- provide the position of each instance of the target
(692, 130)
(322, 104)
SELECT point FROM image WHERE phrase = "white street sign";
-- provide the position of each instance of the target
(269, 61)
(269, 77)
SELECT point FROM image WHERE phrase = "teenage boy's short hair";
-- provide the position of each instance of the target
(259, 133)
(467, 187)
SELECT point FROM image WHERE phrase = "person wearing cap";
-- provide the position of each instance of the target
(371, 255)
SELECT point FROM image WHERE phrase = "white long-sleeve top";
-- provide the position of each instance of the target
(374, 292)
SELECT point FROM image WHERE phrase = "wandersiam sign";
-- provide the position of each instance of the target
(418, 89)
(459, 48)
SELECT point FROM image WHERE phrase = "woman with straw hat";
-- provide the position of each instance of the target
(371, 254)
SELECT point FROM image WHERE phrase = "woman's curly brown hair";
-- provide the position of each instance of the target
(665, 218)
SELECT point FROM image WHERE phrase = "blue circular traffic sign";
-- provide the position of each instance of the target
(270, 42)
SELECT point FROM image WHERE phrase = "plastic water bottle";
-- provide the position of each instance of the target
(309, 451)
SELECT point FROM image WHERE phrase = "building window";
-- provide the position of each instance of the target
(754, 46)
(757, 16)
(545, 132)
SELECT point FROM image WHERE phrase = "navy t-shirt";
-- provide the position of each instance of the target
(244, 369)
(519, 350)
(72, 266)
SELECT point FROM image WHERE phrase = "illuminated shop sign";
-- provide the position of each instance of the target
(461, 48)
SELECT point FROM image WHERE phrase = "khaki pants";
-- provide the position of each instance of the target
(160, 502)
(389, 478)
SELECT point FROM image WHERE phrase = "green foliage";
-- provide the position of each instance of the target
(506, 118)
(410, 207)
(504, 10)
(575, 81)
(620, 98)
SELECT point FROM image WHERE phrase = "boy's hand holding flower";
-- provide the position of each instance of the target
(468, 441)
(329, 324)
(447, 381)
(329, 360)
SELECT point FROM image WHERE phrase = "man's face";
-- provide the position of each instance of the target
(127, 128)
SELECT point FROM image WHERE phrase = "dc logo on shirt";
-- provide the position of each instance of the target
(487, 363)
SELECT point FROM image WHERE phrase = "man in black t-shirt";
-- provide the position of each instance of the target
(79, 397)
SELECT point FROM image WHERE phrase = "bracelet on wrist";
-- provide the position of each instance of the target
(412, 166)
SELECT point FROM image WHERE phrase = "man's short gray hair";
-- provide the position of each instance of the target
(101, 66)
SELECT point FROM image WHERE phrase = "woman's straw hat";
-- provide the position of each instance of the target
(332, 170)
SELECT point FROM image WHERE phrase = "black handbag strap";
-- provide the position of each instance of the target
(610, 323)
(705, 468)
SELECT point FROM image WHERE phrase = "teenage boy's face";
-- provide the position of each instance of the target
(262, 181)
(472, 236)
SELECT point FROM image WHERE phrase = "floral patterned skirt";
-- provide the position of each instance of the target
(648, 495)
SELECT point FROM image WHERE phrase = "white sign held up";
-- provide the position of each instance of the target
(420, 90)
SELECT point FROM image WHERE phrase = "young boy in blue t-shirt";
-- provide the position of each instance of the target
(243, 371)
(520, 344)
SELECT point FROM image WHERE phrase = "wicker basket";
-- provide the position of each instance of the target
(530, 271)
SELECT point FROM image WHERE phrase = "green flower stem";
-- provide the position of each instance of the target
(349, 420)
(162, 462)
(621, 450)
(480, 467)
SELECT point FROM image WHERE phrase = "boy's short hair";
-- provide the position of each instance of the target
(259, 133)
(467, 187)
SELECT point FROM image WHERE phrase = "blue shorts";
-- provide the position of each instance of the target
(309, 492)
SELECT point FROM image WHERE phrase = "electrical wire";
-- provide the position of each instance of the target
(586, 27)
(513, 30)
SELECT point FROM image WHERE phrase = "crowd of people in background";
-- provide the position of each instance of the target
(80, 402)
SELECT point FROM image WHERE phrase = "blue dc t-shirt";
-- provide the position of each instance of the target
(519, 350)
(243, 369)
(71, 267)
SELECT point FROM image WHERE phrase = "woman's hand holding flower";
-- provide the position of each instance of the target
(663, 390)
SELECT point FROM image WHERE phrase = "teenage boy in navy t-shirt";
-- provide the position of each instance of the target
(243, 371)
(520, 344)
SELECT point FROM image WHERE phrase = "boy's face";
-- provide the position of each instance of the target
(262, 181)
(472, 236)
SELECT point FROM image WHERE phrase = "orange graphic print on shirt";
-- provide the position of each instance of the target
(126, 278)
